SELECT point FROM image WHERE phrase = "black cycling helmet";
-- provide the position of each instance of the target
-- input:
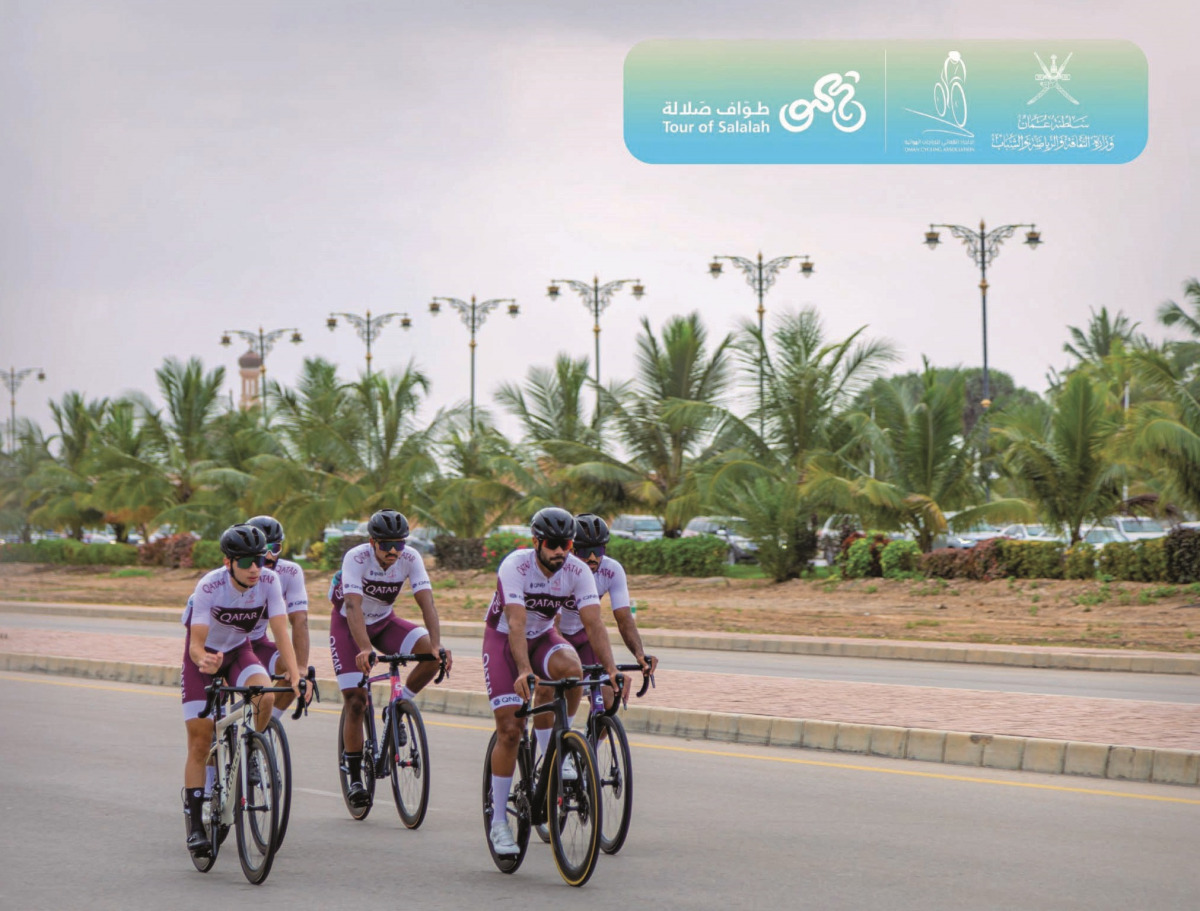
(269, 526)
(387, 525)
(243, 541)
(591, 532)
(553, 522)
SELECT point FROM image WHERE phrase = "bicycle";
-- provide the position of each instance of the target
(245, 793)
(283, 757)
(569, 806)
(402, 753)
(614, 764)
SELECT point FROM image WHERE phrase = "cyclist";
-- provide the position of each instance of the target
(591, 538)
(519, 638)
(363, 593)
(291, 579)
(225, 607)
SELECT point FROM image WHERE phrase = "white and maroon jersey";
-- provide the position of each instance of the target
(361, 574)
(295, 596)
(610, 579)
(230, 614)
(520, 580)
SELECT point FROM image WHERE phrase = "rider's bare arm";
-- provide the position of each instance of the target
(627, 627)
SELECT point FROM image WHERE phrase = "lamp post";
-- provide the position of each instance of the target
(262, 342)
(474, 315)
(760, 276)
(596, 298)
(12, 381)
(369, 327)
(983, 246)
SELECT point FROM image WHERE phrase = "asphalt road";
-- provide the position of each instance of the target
(89, 790)
(1180, 688)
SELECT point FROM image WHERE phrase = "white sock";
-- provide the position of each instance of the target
(210, 776)
(278, 713)
(543, 739)
(407, 693)
(500, 789)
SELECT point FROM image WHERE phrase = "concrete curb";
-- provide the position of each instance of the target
(993, 751)
(891, 649)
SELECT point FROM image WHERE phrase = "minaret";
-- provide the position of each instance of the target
(250, 367)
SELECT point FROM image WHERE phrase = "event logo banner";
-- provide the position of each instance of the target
(1057, 101)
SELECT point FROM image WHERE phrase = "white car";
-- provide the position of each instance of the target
(637, 528)
(1102, 536)
(731, 529)
(1030, 533)
(1136, 528)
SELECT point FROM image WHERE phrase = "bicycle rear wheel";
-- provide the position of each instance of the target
(256, 809)
(573, 810)
(614, 768)
(283, 762)
(368, 767)
(517, 812)
(408, 762)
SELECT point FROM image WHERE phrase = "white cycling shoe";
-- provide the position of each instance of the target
(569, 772)
(502, 840)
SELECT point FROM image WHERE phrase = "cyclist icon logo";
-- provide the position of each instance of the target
(949, 98)
(832, 94)
(1052, 77)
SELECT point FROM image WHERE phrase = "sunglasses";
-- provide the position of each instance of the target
(275, 546)
(584, 552)
(389, 546)
(247, 562)
(557, 543)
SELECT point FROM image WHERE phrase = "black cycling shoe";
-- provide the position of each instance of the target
(199, 845)
(358, 795)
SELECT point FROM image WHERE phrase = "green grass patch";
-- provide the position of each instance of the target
(446, 583)
(128, 572)
(745, 571)
(913, 624)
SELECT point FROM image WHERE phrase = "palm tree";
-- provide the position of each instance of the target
(17, 502)
(550, 405)
(662, 441)
(64, 485)
(1102, 336)
(1172, 314)
(1062, 461)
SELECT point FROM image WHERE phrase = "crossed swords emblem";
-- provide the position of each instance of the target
(1052, 77)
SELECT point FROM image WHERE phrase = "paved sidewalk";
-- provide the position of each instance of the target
(1088, 736)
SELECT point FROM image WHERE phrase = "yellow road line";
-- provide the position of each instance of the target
(725, 754)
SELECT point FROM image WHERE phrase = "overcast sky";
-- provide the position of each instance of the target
(172, 170)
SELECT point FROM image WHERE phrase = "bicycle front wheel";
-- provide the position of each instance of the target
(517, 812)
(368, 766)
(615, 771)
(283, 762)
(573, 811)
(409, 762)
(256, 808)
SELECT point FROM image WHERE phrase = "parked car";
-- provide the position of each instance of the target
(732, 529)
(969, 537)
(1136, 528)
(1102, 536)
(421, 539)
(834, 532)
(1030, 533)
(637, 528)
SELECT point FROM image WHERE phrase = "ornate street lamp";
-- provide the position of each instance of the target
(760, 276)
(262, 343)
(596, 298)
(983, 246)
(474, 315)
(369, 327)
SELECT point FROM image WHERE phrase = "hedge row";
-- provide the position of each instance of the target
(70, 551)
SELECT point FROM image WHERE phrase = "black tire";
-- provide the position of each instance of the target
(517, 811)
(283, 762)
(614, 768)
(408, 762)
(256, 810)
(573, 810)
(368, 767)
(204, 864)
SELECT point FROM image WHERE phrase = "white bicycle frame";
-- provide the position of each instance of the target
(230, 768)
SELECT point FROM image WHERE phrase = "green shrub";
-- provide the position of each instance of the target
(1152, 556)
(1041, 559)
(69, 551)
(1183, 555)
(1120, 561)
(944, 563)
(862, 559)
(702, 555)
(207, 554)
(497, 547)
(460, 553)
(315, 553)
(1079, 562)
(899, 558)
(17, 553)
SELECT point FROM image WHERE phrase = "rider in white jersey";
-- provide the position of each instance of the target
(591, 539)
(295, 596)
(226, 605)
(363, 593)
(519, 639)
